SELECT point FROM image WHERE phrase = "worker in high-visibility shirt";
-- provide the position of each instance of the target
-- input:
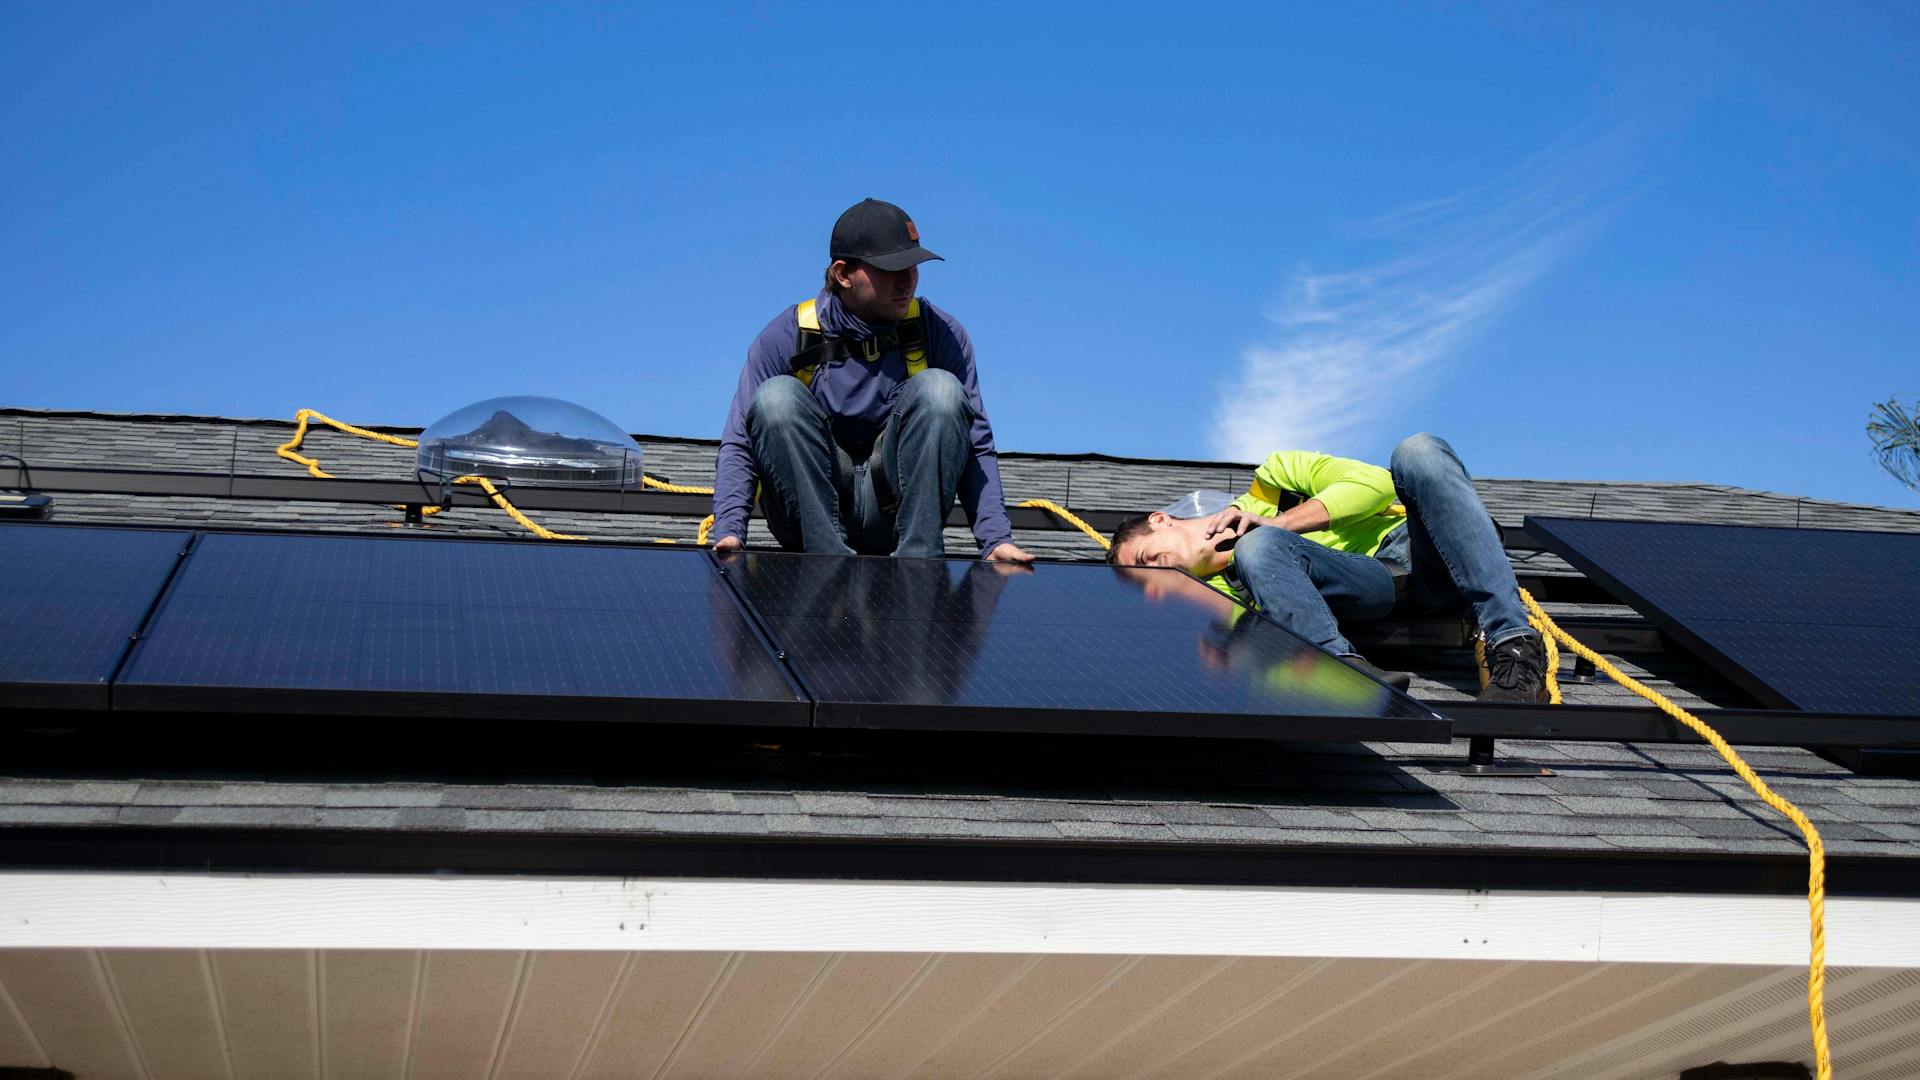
(1315, 542)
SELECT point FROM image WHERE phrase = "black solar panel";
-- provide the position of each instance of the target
(409, 627)
(1817, 619)
(965, 644)
(70, 599)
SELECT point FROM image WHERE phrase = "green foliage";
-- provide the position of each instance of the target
(1894, 428)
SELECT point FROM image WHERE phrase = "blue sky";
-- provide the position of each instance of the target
(1664, 242)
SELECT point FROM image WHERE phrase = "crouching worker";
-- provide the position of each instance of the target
(1317, 540)
(858, 415)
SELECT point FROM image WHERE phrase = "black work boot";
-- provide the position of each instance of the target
(1399, 680)
(1517, 670)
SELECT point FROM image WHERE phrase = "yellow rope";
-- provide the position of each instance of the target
(1552, 637)
(1816, 850)
(678, 489)
(706, 523)
(290, 448)
(1070, 518)
(287, 449)
(290, 451)
(513, 511)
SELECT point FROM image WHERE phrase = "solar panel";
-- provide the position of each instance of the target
(70, 599)
(1817, 619)
(966, 644)
(414, 627)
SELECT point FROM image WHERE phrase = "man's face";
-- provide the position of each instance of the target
(873, 294)
(1178, 544)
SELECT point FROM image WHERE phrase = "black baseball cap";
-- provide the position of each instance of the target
(878, 234)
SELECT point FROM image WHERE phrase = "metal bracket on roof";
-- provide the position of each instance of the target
(1583, 671)
(21, 501)
(1480, 761)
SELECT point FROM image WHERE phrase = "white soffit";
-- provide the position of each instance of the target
(123, 910)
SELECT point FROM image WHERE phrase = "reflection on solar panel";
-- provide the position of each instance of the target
(965, 644)
(69, 601)
(408, 627)
(1815, 619)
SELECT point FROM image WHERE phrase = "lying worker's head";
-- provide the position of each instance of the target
(876, 256)
(1160, 539)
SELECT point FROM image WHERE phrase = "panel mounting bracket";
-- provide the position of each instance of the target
(1481, 762)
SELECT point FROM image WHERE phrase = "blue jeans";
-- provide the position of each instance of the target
(1448, 548)
(815, 501)
(1309, 588)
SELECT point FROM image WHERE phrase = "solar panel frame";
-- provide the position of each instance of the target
(834, 710)
(1725, 644)
(110, 623)
(140, 690)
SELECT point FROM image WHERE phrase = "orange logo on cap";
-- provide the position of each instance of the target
(913, 234)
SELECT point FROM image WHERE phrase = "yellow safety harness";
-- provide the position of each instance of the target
(1550, 632)
(815, 349)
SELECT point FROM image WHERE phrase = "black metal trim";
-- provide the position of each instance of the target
(298, 488)
(1025, 721)
(146, 618)
(1620, 636)
(391, 852)
(419, 492)
(83, 697)
(1610, 723)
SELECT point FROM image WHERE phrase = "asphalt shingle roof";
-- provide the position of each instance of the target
(1603, 797)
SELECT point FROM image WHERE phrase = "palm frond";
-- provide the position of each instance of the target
(1894, 427)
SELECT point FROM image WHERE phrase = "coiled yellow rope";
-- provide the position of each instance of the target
(1552, 636)
(290, 451)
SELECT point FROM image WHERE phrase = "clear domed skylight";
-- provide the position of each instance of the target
(531, 441)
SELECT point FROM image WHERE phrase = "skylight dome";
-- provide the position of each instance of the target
(531, 441)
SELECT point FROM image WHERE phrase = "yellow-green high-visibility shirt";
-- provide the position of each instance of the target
(1356, 495)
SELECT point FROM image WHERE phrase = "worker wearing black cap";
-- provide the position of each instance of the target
(858, 415)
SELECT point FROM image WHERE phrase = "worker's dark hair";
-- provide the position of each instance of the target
(832, 285)
(1129, 530)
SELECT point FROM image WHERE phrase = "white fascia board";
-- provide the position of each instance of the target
(144, 910)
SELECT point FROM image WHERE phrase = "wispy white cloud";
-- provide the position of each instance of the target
(1350, 346)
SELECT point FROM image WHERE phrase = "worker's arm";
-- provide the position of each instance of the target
(949, 348)
(1335, 490)
(734, 472)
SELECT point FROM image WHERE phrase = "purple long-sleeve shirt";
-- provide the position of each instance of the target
(859, 396)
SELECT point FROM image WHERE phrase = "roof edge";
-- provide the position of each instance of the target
(307, 850)
(229, 911)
